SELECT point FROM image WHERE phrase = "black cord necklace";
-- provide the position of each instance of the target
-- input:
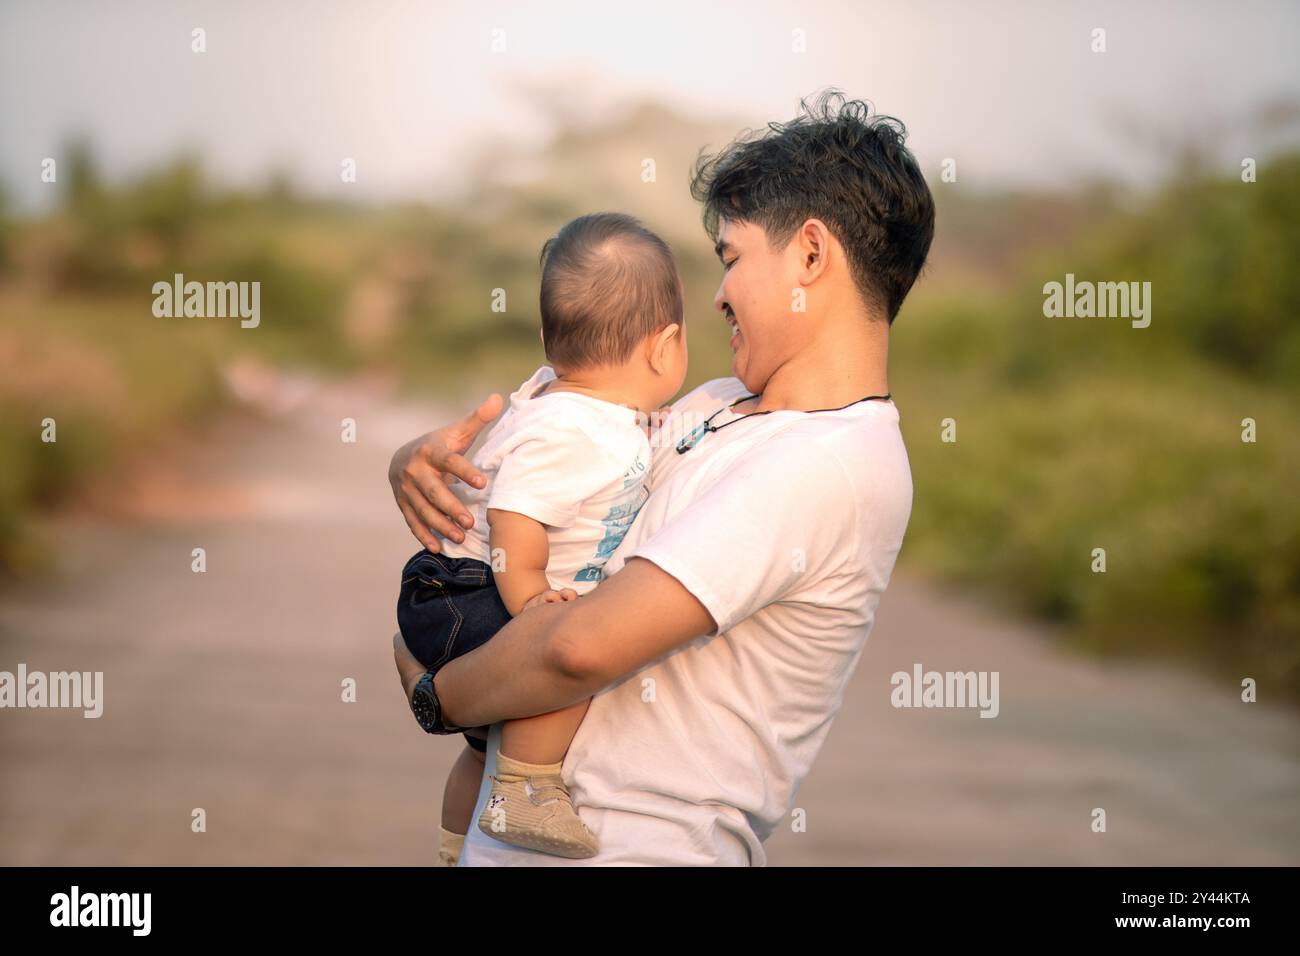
(693, 439)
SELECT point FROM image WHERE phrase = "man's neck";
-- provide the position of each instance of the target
(847, 363)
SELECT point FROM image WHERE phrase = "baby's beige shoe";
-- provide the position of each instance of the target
(530, 807)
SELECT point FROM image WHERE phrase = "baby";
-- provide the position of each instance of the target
(566, 469)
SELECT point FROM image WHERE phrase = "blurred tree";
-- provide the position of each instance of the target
(166, 204)
(1220, 255)
(84, 196)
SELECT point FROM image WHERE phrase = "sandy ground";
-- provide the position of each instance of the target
(223, 692)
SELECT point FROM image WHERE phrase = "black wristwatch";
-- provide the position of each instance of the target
(428, 709)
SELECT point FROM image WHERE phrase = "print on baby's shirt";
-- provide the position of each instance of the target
(617, 522)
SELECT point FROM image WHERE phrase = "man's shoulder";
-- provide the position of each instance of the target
(860, 454)
(840, 432)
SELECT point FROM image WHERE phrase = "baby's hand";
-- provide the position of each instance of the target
(550, 597)
(651, 422)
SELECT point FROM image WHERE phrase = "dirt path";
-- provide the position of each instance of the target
(223, 692)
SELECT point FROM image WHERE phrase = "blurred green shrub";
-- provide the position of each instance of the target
(1075, 434)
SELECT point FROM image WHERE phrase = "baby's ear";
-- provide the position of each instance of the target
(659, 345)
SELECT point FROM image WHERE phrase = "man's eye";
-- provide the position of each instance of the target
(728, 265)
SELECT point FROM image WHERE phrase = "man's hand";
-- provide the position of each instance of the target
(551, 597)
(421, 470)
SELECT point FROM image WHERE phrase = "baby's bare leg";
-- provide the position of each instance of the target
(544, 738)
(461, 791)
(530, 806)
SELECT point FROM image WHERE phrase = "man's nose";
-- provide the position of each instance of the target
(720, 299)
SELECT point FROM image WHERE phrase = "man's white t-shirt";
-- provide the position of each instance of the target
(574, 463)
(785, 526)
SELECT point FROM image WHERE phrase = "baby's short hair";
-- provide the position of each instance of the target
(608, 282)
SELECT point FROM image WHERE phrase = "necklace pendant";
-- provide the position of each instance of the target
(691, 440)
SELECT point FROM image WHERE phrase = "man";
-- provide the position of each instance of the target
(718, 652)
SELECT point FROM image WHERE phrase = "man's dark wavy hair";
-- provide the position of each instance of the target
(838, 163)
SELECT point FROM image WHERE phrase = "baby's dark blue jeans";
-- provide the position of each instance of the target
(446, 608)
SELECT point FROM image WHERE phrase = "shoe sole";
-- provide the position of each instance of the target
(542, 844)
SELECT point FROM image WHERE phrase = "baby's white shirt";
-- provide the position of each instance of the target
(576, 464)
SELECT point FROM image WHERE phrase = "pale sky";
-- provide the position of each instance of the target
(1012, 90)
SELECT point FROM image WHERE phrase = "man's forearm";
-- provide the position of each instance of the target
(558, 654)
(521, 672)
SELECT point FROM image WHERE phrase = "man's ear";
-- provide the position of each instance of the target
(659, 345)
(813, 241)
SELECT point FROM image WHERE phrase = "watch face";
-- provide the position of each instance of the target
(424, 705)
